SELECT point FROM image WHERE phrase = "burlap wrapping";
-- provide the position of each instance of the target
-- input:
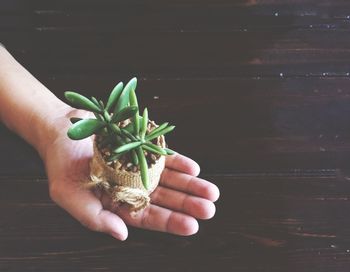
(122, 185)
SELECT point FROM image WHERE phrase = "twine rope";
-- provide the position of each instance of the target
(136, 198)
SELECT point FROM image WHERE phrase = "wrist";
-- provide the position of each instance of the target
(48, 125)
(26, 106)
(54, 126)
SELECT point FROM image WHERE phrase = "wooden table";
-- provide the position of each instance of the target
(259, 91)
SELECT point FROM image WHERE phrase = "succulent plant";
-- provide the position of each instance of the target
(133, 139)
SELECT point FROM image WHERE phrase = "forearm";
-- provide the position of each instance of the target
(26, 106)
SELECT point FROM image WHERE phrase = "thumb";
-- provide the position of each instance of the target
(83, 205)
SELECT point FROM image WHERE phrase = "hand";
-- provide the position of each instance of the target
(178, 201)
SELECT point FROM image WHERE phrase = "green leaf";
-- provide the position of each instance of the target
(114, 157)
(127, 147)
(135, 159)
(144, 123)
(114, 141)
(135, 121)
(106, 116)
(84, 128)
(98, 116)
(130, 127)
(115, 129)
(154, 148)
(162, 126)
(143, 167)
(81, 102)
(114, 96)
(124, 97)
(102, 105)
(128, 134)
(169, 151)
(93, 99)
(161, 132)
(124, 114)
(75, 119)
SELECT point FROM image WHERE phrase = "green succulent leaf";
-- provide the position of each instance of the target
(124, 114)
(114, 157)
(98, 116)
(102, 105)
(169, 151)
(136, 121)
(122, 133)
(75, 119)
(130, 127)
(93, 99)
(106, 116)
(124, 96)
(128, 135)
(84, 128)
(143, 167)
(127, 147)
(161, 132)
(134, 158)
(81, 102)
(162, 126)
(144, 123)
(154, 148)
(114, 96)
(115, 129)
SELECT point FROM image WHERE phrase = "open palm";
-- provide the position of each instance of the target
(178, 201)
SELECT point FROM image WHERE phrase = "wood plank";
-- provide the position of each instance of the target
(189, 55)
(260, 124)
(178, 15)
(285, 220)
(271, 79)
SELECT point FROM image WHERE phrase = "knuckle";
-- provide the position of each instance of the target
(91, 224)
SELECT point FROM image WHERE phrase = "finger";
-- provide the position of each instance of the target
(183, 164)
(161, 219)
(83, 205)
(174, 200)
(189, 184)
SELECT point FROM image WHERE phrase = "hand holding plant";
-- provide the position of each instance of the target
(43, 120)
(180, 199)
(128, 148)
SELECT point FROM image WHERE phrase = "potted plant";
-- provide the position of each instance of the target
(129, 149)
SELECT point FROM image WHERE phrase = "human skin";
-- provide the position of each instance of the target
(29, 109)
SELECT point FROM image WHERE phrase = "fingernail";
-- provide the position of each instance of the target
(119, 236)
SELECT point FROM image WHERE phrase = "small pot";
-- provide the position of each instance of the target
(122, 185)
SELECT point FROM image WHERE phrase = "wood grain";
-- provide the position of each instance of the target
(259, 92)
(263, 222)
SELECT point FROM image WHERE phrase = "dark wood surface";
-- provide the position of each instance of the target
(259, 91)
